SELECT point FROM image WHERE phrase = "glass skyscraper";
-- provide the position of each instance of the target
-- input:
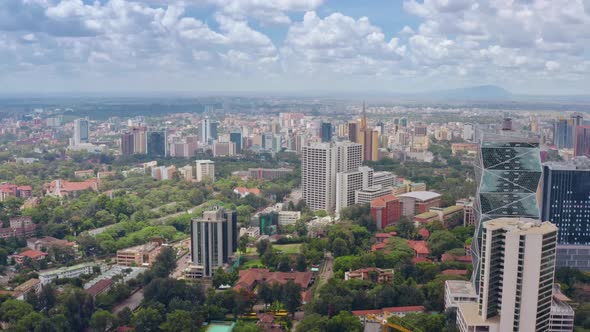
(566, 203)
(156, 144)
(508, 173)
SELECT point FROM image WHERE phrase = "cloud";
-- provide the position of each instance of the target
(339, 44)
(273, 12)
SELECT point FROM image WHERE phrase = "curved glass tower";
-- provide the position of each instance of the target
(508, 172)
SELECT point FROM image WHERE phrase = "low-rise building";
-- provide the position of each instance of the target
(64, 188)
(269, 173)
(367, 195)
(67, 272)
(371, 274)
(142, 255)
(458, 291)
(33, 255)
(288, 217)
(386, 210)
(417, 202)
(31, 285)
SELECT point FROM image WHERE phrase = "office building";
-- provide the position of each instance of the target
(326, 132)
(353, 131)
(347, 183)
(223, 149)
(386, 179)
(213, 130)
(582, 141)
(236, 138)
(386, 210)
(205, 170)
(205, 131)
(214, 239)
(566, 203)
(142, 255)
(157, 145)
(516, 279)
(127, 146)
(417, 202)
(320, 163)
(564, 129)
(81, 131)
(508, 172)
(367, 195)
(269, 173)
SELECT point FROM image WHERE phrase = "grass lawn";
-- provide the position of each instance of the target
(252, 263)
(292, 248)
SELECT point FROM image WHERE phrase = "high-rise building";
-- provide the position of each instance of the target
(236, 138)
(205, 170)
(347, 183)
(564, 129)
(156, 144)
(127, 146)
(214, 238)
(566, 203)
(353, 131)
(205, 131)
(224, 149)
(516, 278)
(582, 141)
(214, 132)
(139, 139)
(508, 172)
(320, 163)
(326, 132)
(81, 131)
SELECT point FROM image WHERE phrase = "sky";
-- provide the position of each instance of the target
(200, 46)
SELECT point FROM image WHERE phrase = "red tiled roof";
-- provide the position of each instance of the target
(367, 312)
(33, 254)
(25, 188)
(424, 232)
(420, 247)
(244, 190)
(248, 278)
(100, 286)
(378, 246)
(415, 308)
(417, 260)
(385, 235)
(383, 200)
(454, 272)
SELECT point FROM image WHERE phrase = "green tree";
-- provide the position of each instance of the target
(344, 322)
(147, 320)
(291, 296)
(313, 323)
(242, 326)
(165, 262)
(406, 228)
(12, 310)
(102, 320)
(441, 241)
(340, 247)
(179, 321)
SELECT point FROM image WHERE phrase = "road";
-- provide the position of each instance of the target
(327, 271)
(131, 302)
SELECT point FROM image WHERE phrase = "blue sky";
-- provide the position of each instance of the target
(200, 46)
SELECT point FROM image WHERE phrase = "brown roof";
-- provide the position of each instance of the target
(454, 272)
(99, 287)
(249, 278)
(33, 254)
(420, 247)
(383, 200)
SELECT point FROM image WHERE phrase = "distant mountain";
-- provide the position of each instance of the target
(482, 92)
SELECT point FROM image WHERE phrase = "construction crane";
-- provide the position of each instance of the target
(397, 326)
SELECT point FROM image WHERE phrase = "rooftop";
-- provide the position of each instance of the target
(460, 287)
(421, 195)
(426, 215)
(472, 318)
(522, 225)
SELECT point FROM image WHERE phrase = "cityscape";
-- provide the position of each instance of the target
(305, 177)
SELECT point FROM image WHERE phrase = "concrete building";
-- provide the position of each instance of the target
(288, 217)
(582, 141)
(386, 210)
(320, 163)
(347, 183)
(142, 255)
(67, 272)
(367, 195)
(459, 291)
(187, 172)
(81, 132)
(516, 278)
(386, 179)
(214, 238)
(205, 170)
(269, 173)
(224, 149)
(417, 202)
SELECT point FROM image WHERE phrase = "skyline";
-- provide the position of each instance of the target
(56, 46)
